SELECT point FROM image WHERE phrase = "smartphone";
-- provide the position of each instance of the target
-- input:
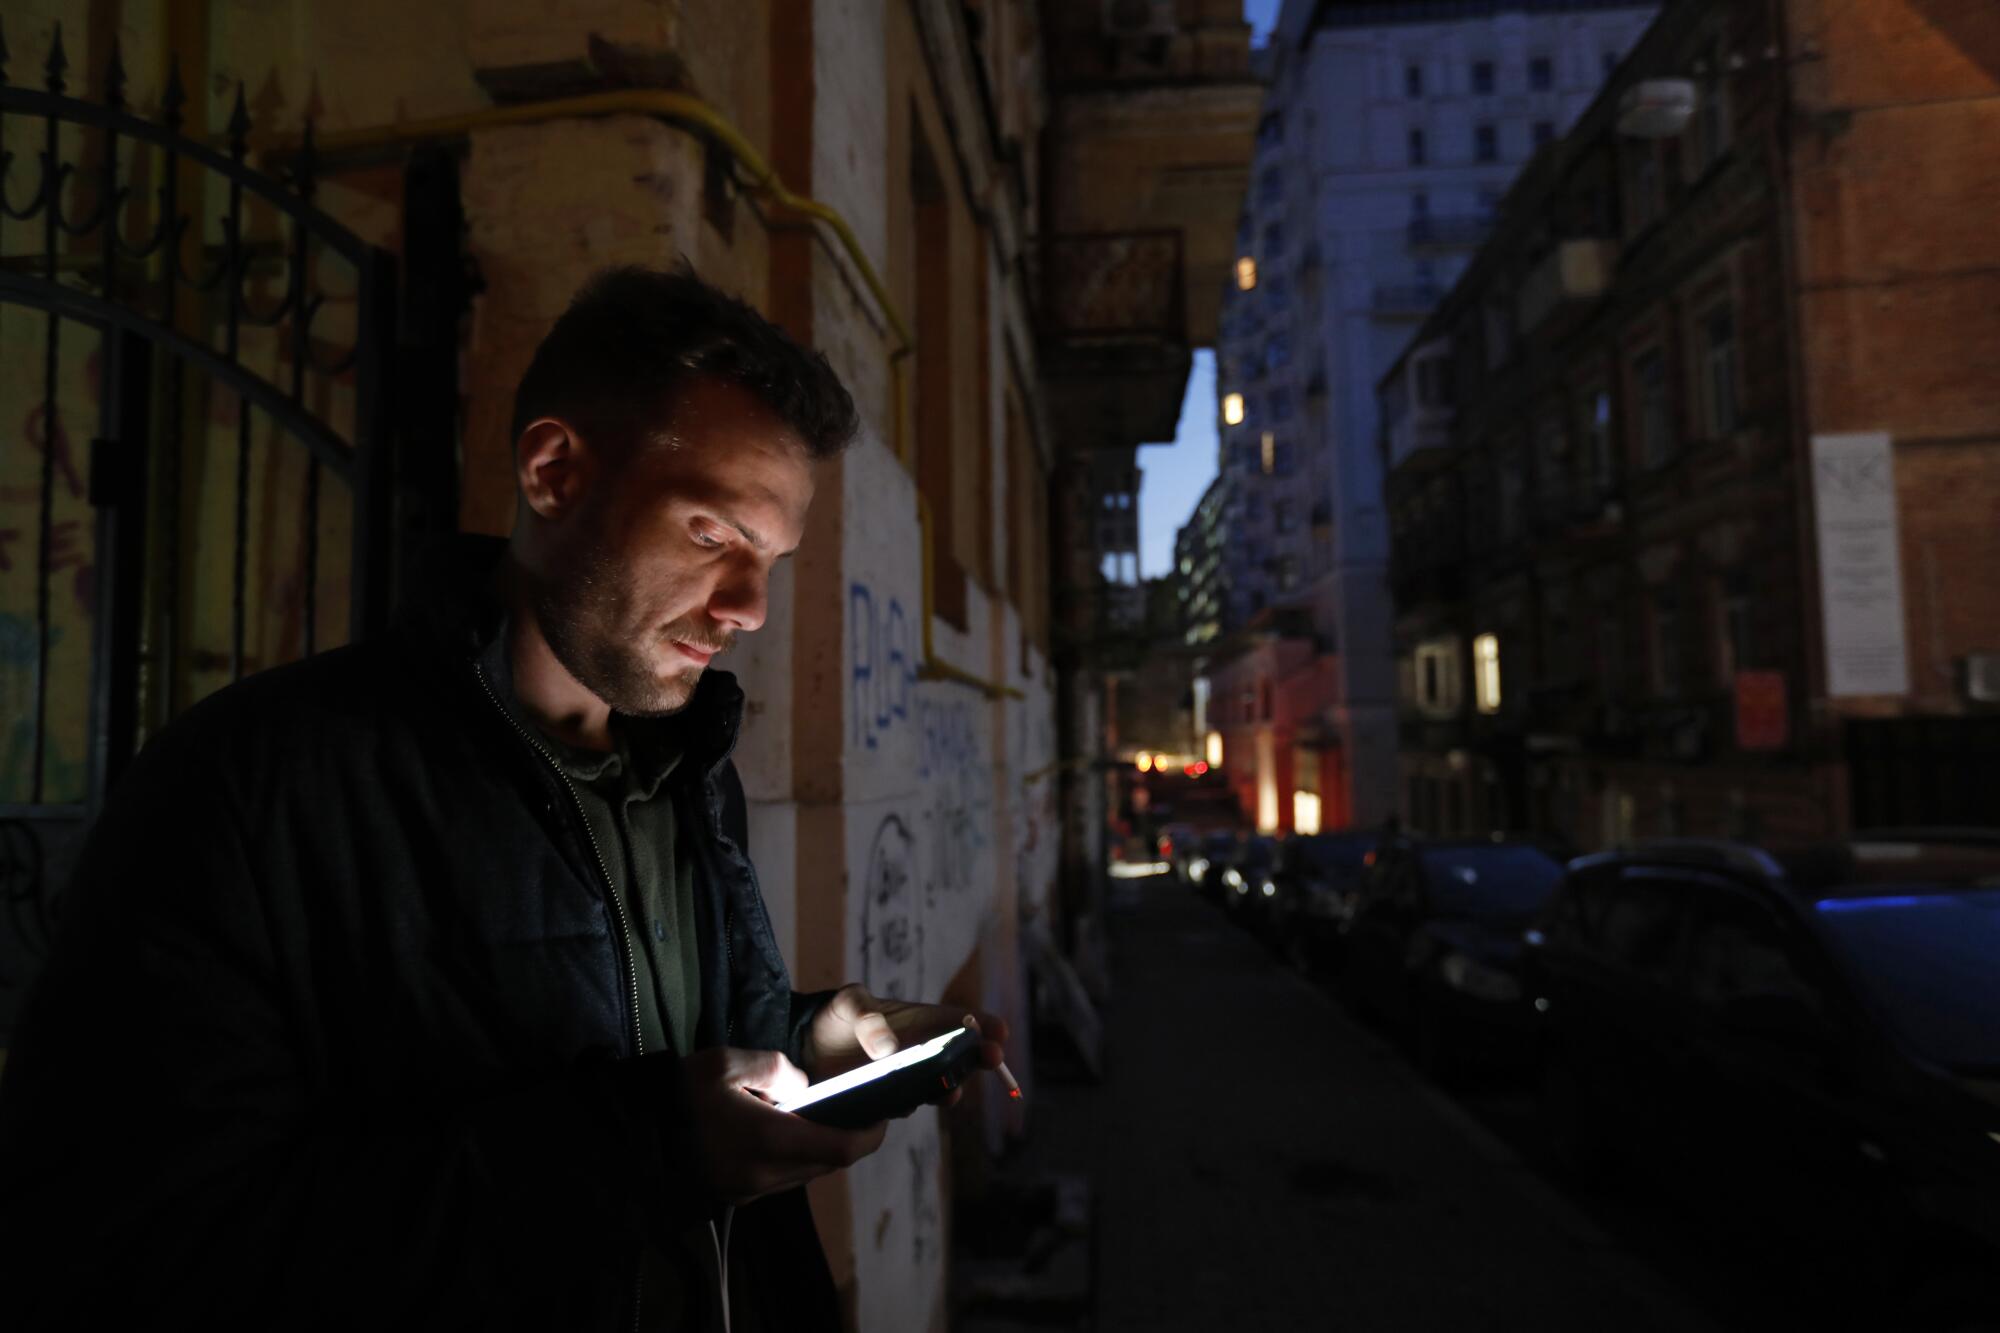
(893, 1086)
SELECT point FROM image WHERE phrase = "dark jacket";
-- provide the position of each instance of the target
(336, 1032)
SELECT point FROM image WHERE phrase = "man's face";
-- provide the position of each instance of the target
(666, 554)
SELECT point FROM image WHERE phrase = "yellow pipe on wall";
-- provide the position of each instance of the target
(687, 110)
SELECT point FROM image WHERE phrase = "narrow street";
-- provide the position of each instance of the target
(1259, 1161)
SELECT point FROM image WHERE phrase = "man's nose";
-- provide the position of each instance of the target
(741, 597)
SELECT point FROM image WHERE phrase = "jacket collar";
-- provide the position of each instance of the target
(450, 614)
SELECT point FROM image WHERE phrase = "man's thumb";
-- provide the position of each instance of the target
(768, 1072)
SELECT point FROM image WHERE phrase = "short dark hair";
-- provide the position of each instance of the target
(633, 337)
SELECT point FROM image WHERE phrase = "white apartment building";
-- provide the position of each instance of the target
(1389, 134)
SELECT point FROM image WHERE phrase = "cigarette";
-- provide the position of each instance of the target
(1007, 1077)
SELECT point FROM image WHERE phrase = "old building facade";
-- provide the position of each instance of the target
(1387, 138)
(903, 185)
(1685, 492)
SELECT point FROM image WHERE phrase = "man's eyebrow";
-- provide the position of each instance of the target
(748, 535)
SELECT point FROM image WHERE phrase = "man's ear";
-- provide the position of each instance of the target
(553, 467)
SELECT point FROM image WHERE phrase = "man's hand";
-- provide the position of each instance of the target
(749, 1148)
(855, 1028)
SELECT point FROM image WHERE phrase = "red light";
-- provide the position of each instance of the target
(1200, 767)
(1190, 770)
(1166, 846)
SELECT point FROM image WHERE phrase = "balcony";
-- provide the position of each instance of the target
(1113, 323)
(1421, 436)
(1405, 300)
(1573, 271)
(1432, 235)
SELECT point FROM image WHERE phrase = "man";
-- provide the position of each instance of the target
(427, 982)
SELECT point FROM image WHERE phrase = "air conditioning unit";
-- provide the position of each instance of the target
(1656, 108)
(1982, 678)
(1139, 18)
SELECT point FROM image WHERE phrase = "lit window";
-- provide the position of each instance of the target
(1269, 444)
(1246, 273)
(1215, 749)
(1486, 672)
(1232, 409)
(1305, 812)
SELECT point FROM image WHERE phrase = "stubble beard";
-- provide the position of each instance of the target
(577, 610)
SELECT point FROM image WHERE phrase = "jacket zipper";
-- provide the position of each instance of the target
(625, 959)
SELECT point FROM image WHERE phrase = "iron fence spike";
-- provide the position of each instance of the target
(174, 97)
(58, 62)
(114, 79)
(306, 165)
(239, 124)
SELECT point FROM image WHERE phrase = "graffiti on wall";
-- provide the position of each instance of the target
(892, 925)
(956, 812)
(882, 674)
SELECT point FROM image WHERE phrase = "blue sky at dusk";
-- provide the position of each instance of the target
(1175, 475)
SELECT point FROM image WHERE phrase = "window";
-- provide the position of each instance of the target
(1284, 514)
(1712, 112)
(1277, 291)
(1271, 186)
(1288, 573)
(1417, 152)
(1597, 458)
(1656, 421)
(1277, 352)
(1232, 409)
(1270, 451)
(1271, 130)
(1637, 924)
(1486, 144)
(1437, 677)
(1666, 645)
(1434, 380)
(1718, 358)
(1609, 62)
(1610, 652)
(1486, 672)
(1738, 954)
(1545, 133)
(1246, 273)
(1513, 490)
(1413, 80)
(1420, 204)
(1541, 74)
(1279, 401)
(1274, 242)
(1552, 466)
(1647, 202)
(1489, 203)
(1732, 629)
(1482, 77)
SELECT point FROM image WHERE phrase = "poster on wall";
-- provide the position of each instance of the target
(1860, 566)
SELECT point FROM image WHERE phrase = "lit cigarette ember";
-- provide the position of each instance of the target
(1013, 1088)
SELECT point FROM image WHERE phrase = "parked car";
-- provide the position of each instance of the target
(1204, 865)
(1244, 876)
(1176, 845)
(1433, 949)
(1808, 1043)
(1314, 889)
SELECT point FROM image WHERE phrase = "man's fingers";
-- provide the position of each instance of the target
(850, 1002)
(768, 1072)
(875, 1035)
(991, 1026)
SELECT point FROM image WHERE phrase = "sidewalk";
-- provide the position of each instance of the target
(1260, 1162)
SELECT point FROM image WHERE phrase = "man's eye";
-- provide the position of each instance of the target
(703, 537)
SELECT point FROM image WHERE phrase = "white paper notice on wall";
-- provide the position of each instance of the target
(1860, 565)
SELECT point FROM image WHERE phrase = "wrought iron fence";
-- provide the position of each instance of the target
(221, 345)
